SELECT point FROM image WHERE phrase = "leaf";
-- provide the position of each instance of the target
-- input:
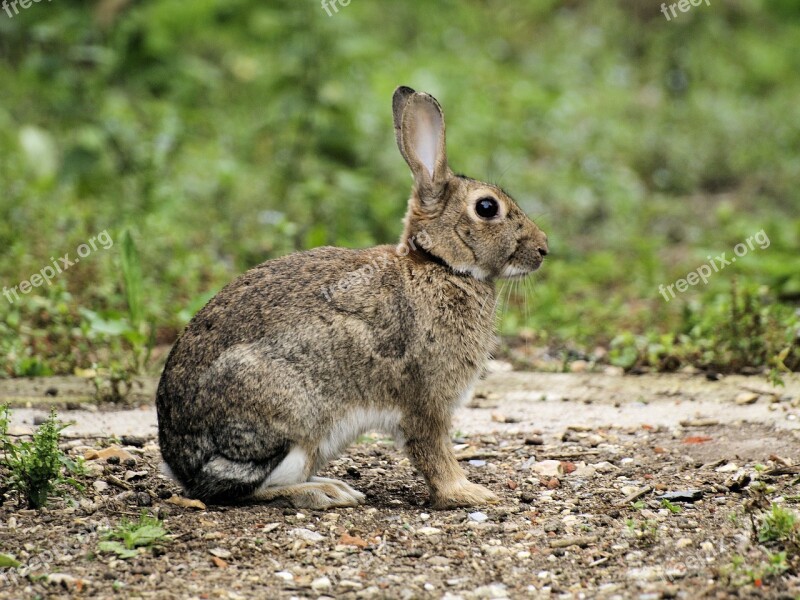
(132, 276)
(186, 502)
(117, 548)
(7, 560)
(145, 535)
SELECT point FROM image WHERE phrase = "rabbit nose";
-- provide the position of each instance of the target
(542, 246)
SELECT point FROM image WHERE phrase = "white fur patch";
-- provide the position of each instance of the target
(167, 472)
(291, 469)
(512, 271)
(357, 422)
(474, 270)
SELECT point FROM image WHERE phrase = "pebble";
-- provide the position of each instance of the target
(605, 467)
(478, 517)
(100, 486)
(350, 585)
(684, 543)
(429, 531)
(321, 584)
(306, 535)
(285, 576)
(493, 591)
(727, 468)
(746, 398)
(547, 468)
(220, 552)
(477, 463)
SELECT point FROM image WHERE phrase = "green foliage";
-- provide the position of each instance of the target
(8, 561)
(227, 133)
(37, 467)
(673, 508)
(779, 525)
(126, 539)
(743, 328)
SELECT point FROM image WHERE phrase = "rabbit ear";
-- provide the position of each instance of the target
(421, 139)
(399, 101)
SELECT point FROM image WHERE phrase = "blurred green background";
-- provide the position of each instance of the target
(208, 136)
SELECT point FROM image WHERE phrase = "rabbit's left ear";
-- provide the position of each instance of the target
(421, 139)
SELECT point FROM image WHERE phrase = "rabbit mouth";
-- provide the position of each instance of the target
(517, 272)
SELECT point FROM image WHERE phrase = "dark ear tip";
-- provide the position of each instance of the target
(401, 96)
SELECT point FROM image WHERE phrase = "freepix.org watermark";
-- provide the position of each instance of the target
(715, 265)
(13, 4)
(48, 273)
(682, 5)
(331, 7)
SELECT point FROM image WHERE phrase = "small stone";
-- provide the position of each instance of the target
(682, 496)
(478, 517)
(306, 534)
(477, 463)
(727, 468)
(552, 525)
(493, 591)
(321, 584)
(578, 366)
(684, 543)
(746, 398)
(285, 576)
(429, 531)
(349, 584)
(605, 467)
(133, 440)
(144, 499)
(129, 475)
(739, 481)
(100, 486)
(534, 440)
(220, 552)
(547, 468)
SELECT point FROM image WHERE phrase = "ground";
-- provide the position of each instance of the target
(581, 462)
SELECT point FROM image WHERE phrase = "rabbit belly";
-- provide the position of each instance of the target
(356, 422)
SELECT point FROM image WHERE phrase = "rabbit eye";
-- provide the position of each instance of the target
(487, 208)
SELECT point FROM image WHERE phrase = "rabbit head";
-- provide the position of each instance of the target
(472, 226)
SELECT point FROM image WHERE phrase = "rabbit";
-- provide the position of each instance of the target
(293, 360)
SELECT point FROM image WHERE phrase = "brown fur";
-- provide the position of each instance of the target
(288, 358)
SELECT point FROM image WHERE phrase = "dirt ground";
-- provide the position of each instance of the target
(581, 462)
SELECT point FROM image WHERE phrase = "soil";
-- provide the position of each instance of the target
(581, 462)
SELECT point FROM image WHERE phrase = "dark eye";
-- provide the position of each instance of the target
(487, 208)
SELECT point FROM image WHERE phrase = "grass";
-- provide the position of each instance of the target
(779, 525)
(37, 468)
(127, 538)
(205, 138)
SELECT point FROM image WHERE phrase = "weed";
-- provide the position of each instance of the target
(645, 531)
(128, 537)
(778, 525)
(673, 508)
(37, 467)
